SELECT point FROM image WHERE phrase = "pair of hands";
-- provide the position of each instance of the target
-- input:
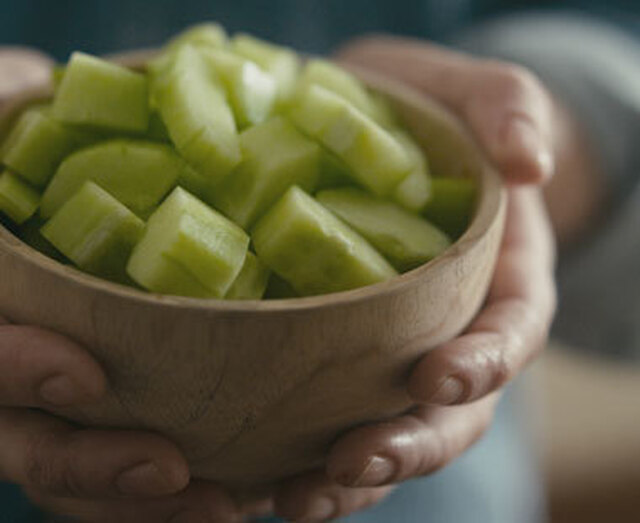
(105, 476)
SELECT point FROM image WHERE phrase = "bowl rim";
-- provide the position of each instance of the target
(490, 203)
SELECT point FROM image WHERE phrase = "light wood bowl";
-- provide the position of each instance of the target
(256, 391)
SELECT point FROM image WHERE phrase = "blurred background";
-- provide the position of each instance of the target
(589, 437)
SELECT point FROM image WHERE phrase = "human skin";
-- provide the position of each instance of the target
(80, 473)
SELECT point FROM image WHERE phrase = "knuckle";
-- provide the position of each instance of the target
(514, 80)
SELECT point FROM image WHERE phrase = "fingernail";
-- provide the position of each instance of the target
(60, 390)
(449, 393)
(147, 479)
(320, 509)
(522, 135)
(378, 471)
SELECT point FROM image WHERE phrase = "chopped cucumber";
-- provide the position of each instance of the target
(375, 158)
(188, 249)
(313, 250)
(340, 82)
(251, 91)
(414, 191)
(276, 156)
(404, 238)
(251, 282)
(194, 109)
(279, 289)
(97, 93)
(452, 204)
(157, 130)
(209, 35)
(30, 234)
(17, 199)
(96, 232)
(139, 174)
(333, 172)
(37, 145)
(280, 62)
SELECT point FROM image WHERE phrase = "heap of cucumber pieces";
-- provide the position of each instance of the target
(226, 169)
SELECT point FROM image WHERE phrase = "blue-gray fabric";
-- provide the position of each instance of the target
(593, 67)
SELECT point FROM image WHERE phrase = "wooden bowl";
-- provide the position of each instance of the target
(257, 391)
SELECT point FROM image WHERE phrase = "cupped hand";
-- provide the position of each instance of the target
(458, 384)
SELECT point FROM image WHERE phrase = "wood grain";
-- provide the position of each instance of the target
(256, 391)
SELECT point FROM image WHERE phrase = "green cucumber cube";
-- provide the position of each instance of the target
(333, 172)
(97, 93)
(276, 156)
(414, 191)
(452, 204)
(29, 233)
(251, 92)
(313, 250)
(96, 232)
(279, 289)
(280, 62)
(375, 158)
(209, 35)
(36, 146)
(137, 173)
(251, 282)
(188, 249)
(404, 238)
(157, 130)
(17, 199)
(341, 82)
(194, 109)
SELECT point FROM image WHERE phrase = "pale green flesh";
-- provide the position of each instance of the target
(251, 282)
(251, 91)
(404, 238)
(95, 231)
(313, 250)
(452, 204)
(280, 62)
(37, 145)
(17, 199)
(188, 249)
(195, 111)
(414, 192)
(100, 94)
(208, 35)
(276, 156)
(373, 155)
(139, 174)
(340, 82)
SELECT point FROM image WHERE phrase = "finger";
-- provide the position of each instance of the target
(39, 368)
(413, 445)
(200, 503)
(315, 497)
(513, 326)
(22, 68)
(505, 106)
(42, 452)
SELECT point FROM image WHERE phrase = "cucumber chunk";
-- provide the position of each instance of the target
(313, 250)
(96, 93)
(280, 62)
(341, 82)
(188, 249)
(17, 199)
(251, 282)
(37, 144)
(157, 130)
(96, 232)
(279, 289)
(373, 155)
(29, 233)
(251, 92)
(209, 35)
(405, 239)
(414, 191)
(139, 174)
(452, 204)
(194, 108)
(333, 172)
(276, 156)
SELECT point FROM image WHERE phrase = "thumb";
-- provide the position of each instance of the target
(22, 68)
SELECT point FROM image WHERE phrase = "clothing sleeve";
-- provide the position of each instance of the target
(594, 69)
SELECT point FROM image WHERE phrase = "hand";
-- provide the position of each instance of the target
(458, 384)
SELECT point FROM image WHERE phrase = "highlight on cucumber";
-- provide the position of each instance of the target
(226, 168)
